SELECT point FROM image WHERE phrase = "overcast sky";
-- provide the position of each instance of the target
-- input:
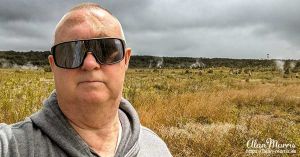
(194, 28)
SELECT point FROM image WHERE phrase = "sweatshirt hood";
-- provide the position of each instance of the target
(52, 122)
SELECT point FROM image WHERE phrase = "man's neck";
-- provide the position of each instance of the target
(97, 126)
(103, 141)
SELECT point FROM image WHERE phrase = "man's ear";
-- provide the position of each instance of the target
(51, 62)
(127, 57)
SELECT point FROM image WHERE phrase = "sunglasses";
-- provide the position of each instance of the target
(71, 54)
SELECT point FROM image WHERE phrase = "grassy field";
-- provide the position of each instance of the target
(211, 112)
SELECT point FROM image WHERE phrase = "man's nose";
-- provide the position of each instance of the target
(90, 62)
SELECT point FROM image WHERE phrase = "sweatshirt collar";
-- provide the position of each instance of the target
(54, 124)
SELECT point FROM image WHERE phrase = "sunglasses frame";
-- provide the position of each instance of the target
(53, 52)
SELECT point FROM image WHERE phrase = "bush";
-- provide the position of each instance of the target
(47, 69)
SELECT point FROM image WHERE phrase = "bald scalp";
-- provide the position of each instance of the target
(88, 6)
(97, 18)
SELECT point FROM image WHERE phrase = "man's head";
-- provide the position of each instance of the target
(101, 22)
(92, 82)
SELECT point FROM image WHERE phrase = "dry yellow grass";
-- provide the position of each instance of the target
(207, 114)
(219, 123)
(216, 114)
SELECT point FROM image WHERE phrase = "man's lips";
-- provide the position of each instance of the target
(90, 81)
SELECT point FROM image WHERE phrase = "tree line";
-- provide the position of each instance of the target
(40, 59)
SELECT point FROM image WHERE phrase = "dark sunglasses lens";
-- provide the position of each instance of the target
(107, 51)
(70, 54)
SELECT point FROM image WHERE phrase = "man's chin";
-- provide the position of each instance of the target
(93, 97)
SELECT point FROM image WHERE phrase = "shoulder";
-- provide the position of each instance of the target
(14, 135)
(5, 136)
(7, 131)
(17, 129)
(151, 144)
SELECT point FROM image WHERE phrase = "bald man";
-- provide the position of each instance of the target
(86, 114)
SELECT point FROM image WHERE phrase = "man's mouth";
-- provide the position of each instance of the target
(90, 81)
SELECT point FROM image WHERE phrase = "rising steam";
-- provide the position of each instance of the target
(6, 64)
(197, 64)
(160, 63)
(292, 65)
(279, 65)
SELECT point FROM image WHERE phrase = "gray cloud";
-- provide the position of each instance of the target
(204, 28)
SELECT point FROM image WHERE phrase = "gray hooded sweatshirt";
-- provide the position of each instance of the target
(48, 133)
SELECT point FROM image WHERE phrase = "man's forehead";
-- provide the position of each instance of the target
(87, 14)
(82, 31)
